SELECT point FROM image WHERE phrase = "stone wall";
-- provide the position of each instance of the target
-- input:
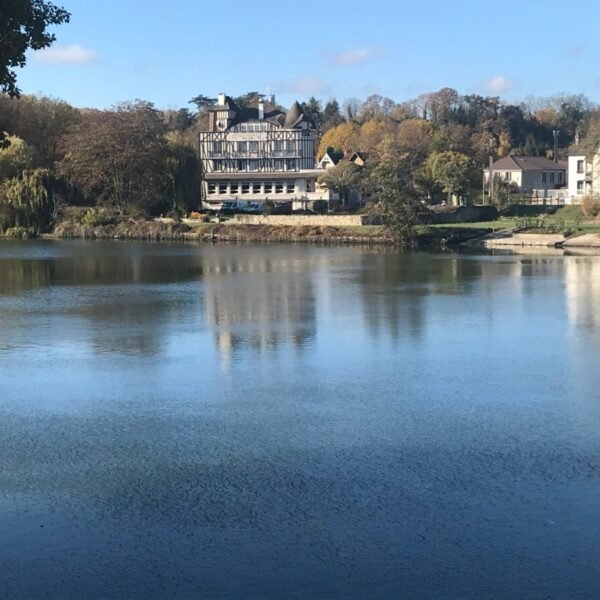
(308, 220)
(463, 214)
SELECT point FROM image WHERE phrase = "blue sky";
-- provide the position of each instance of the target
(168, 52)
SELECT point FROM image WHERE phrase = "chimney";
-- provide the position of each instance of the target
(272, 98)
(221, 100)
(261, 110)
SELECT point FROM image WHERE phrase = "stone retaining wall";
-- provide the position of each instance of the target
(308, 220)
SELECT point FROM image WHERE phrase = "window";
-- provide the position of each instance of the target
(279, 188)
(242, 147)
(580, 166)
(242, 165)
(218, 147)
(507, 176)
(245, 187)
(222, 188)
(212, 188)
(244, 127)
(253, 165)
(310, 185)
(253, 146)
(552, 177)
(278, 165)
(268, 187)
(264, 127)
(544, 176)
(234, 187)
(291, 165)
(580, 187)
(560, 177)
(290, 187)
(278, 146)
(256, 188)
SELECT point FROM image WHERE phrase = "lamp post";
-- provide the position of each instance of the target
(555, 134)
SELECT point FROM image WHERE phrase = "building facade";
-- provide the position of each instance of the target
(530, 173)
(584, 176)
(256, 153)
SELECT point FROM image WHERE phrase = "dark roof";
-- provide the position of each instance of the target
(272, 113)
(334, 155)
(229, 104)
(294, 116)
(250, 113)
(527, 163)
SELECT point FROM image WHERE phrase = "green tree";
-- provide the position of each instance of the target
(342, 179)
(392, 185)
(452, 171)
(27, 199)
(15, 158)
(23, 26)
(332, 117)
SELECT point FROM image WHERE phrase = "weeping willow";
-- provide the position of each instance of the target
(25, 201)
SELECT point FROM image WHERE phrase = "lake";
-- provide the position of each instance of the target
(289, 422)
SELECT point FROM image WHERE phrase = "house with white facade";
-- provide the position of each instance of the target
(584, 176)
(529, 173)
(259, 152)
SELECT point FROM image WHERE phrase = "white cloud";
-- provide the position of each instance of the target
(498, 84)
(66, 55)
(356, 56)
(307, 85)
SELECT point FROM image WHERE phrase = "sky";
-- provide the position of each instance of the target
(169, 52)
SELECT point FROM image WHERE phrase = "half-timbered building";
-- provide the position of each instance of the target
(259, 152)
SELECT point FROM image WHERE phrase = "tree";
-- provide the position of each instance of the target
(202, 102)
(15, 158)
(376, 107)
(27, 198)
(119, 158)
(453, 172)
(183, 173)
(23, 26)
(41, 122)
(342, 179)
(344, 137)
(312, 108)
(248, 99)
(332, 117)
(391, 183)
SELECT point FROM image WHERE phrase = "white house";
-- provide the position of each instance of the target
(259, 152)
(529, 173)
(584, 176)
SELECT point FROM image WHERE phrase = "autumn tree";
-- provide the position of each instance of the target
(118, 157)
(344, 137)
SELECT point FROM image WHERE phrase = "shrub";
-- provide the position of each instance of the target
(268, 207)
(590, 206)
(96, 217)
(320, 207)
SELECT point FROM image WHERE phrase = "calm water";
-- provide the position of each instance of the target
(297, 423)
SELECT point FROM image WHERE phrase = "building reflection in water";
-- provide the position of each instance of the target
(582, 289)
(258, 300)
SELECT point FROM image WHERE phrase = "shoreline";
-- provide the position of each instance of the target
(380, 236)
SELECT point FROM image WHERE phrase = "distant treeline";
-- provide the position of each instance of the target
(136, 159)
